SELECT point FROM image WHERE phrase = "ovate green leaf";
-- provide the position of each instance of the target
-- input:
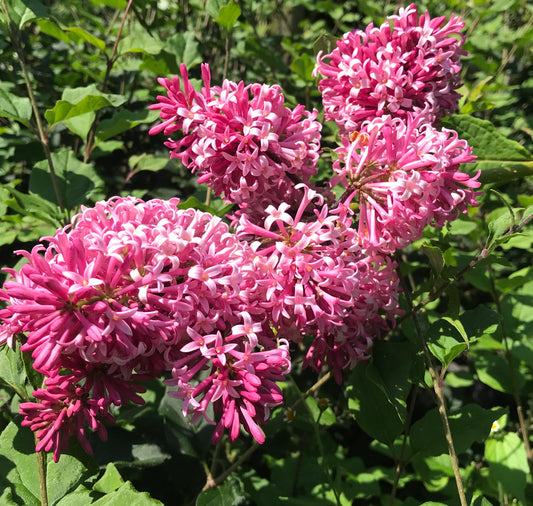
(121, 121)
(77, 181)
(508, 464)
(471, 423)
(500, 159)
(87, 37)
(17, 108)
(77, 101)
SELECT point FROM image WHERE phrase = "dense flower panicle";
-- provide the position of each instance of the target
(404, 174)
(132, 289)
(318, 281)
(240, 385)
(73, 400)
(410, 63)
(343, 345)
(241, 140)
(121, 287)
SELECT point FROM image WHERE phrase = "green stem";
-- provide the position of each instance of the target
(89, 146)
(43, 137)
(439, 394)
(41, 464)
(316, 429)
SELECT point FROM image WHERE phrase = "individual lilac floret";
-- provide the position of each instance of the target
(241, 140)
(404, 175)
(410, 63)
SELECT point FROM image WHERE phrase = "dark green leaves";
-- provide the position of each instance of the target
(77, 181)
(500, 159)
(14, 107)
(471, 423)
(377, 393)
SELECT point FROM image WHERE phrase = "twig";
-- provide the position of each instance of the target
(484, 253)
(441, 402)
(43, 137)
(110, 62)
(41, 464)
(213, 482)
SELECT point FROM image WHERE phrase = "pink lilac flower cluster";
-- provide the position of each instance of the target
(404, 174)
(320, 282)
(410, 63)
(132, 289)
(241, 140)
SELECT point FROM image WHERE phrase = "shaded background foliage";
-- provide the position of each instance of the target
(377, 439)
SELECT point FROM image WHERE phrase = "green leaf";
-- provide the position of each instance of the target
(228, 15)
(148, 163)
(50, 27)
(378, 391)
(77, 181)
(213, 7)
(325, 43)
(34, 206)
(225, 495)
(471, 423)
(303, 66)
(479, 500)
(140, 42)
(17, 108)
(25, 11)
(183, 48)
(508, 464)
(480, 320)
(77, 101)
(123, 120)
(446, 340)
(322, 416)
(110, 481)
(81, 125)
(19, 466)
(500, 159)
(436, 258)
(12, 370)
(81, 34)
(494, 370)
(79, 497)
(127, 495)
(115, 4)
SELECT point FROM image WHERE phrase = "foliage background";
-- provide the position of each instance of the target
(376, 439)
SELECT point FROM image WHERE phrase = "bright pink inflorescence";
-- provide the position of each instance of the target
(404, 174)
(120, 296)
(410, 63)
(241, 140)
(132, 289)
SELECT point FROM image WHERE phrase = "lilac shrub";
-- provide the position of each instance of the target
(131, 289)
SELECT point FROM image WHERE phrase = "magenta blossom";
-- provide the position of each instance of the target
(241, 384)
(241, 140)
(122, 290)
(404, 175)
(318, 281)
(410, 63)
(71, 401)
